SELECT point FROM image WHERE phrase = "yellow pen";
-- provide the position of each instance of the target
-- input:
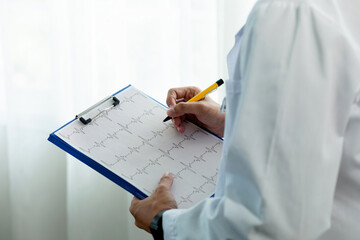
(202, 94)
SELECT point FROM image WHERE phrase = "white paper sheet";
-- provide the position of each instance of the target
(132, 141)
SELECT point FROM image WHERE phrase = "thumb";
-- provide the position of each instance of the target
(166, 181)
(183, 108)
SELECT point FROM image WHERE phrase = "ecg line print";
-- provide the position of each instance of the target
(200, 189)
(162, 156)
(144, 142)
(125, 127)
(167, 154)
(105, 114)
(196, 159)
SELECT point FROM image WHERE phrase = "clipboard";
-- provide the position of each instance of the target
(90, 162)
(125, 183)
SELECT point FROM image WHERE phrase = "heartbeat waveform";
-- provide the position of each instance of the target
(110, 129)
(122, 128)
(186, 167)
(198, 190)
(105, 115)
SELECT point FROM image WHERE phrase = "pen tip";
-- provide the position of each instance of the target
(167, 119)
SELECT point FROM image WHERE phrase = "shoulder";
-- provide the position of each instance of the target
(334, 16)
(297, 8)
(298, 19)
(306, 33)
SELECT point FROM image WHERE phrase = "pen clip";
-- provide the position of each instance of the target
(218, 84)
(223, 106)
(211, 92)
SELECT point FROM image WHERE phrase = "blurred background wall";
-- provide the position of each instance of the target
(57, 57)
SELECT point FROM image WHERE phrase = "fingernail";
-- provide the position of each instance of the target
(178, 128)
(171, 111)
(177, 122)
(166, 174)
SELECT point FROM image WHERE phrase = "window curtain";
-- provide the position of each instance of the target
(57, 57)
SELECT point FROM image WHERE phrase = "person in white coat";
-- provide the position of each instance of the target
(290, 167)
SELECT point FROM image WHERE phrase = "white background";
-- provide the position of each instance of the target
(57, 57)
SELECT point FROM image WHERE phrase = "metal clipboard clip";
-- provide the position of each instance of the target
(86, 121)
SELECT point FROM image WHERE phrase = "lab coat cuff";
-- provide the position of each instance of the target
(169, 223)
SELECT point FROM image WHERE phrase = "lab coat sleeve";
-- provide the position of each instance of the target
(284, 131)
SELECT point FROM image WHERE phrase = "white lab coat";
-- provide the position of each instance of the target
(291, 160)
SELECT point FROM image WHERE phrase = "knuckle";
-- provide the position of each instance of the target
(161, 188)
(165, 177)
(196, 89)
(132, 210)
(180, 106)
(170, 91)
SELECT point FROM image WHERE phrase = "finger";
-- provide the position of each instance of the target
(133, 204)
(180, 100)
(166, 181)
(177, 121)
(171, 98)
(178, 93)
(135, 200)
(186, 108)
(181, 128)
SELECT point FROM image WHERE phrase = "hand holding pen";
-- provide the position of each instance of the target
(199, 109)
